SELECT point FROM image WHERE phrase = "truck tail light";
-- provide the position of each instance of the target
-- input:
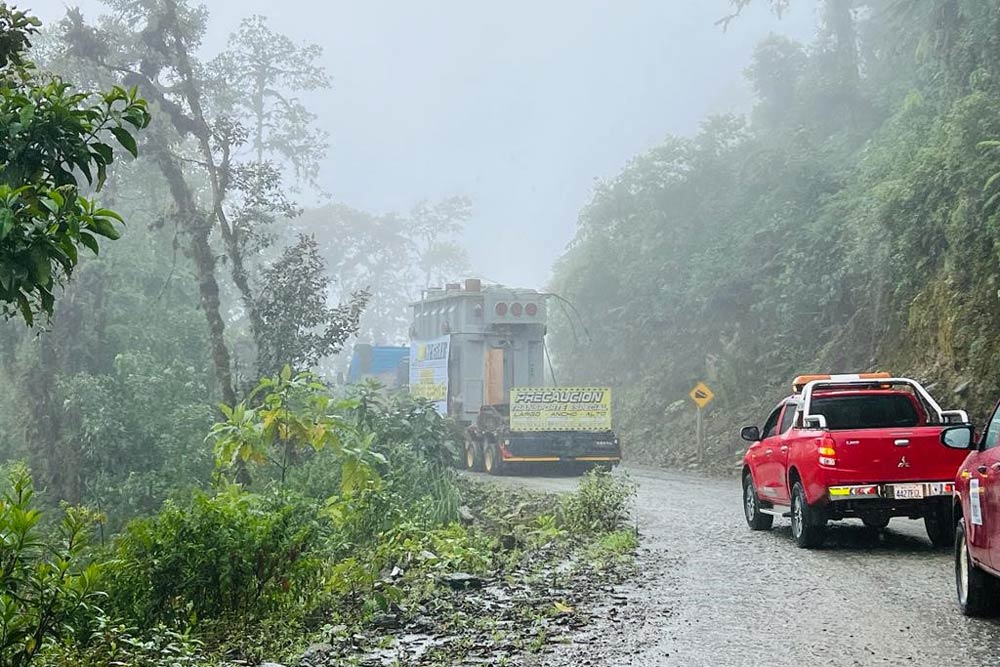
(827, 451)
(500, 309)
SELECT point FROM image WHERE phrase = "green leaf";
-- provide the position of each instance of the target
(6, 222)
(41, 266)
(89, 241)
(126, 139)
(104, 227)
(67, 245)
(104, 152)
(25, 307)
(108, 213)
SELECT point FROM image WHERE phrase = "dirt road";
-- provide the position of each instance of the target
(712, 593)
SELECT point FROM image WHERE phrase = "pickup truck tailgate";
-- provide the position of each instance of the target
(893, 455)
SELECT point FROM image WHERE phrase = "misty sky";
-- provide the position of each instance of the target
(518, 105)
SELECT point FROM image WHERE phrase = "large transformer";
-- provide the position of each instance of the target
(471, 346)
(497, 341)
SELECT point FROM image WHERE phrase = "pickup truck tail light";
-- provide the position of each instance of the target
(827, 451)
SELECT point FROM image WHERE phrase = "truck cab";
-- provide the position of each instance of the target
(851, 446)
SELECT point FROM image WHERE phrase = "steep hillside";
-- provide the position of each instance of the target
(849, 224)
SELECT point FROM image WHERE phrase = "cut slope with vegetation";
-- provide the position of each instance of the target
(849, 223)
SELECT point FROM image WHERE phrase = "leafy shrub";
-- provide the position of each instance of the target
(401, 421)
(115, 644)
(232, 554)
(285, 419)
(46, 590)
(600, 504)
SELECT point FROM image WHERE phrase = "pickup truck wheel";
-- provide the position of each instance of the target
(875, 522)
(940, 526)
(492, 460)
(977, 590)
(808, 525)
(756, 519)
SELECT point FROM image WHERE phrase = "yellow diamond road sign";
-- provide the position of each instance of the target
(701, 394)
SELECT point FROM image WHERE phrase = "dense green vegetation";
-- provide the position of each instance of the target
(849, 223)
(183, 487)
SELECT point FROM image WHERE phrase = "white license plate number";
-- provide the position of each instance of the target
(908, 491)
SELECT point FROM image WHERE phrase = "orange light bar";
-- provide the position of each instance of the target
(803, 380)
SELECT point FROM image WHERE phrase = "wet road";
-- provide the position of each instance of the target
(713, 593)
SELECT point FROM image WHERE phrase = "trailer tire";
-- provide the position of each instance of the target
(492, 459)
(473, 456)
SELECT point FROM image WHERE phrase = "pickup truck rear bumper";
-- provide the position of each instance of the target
(891, 491)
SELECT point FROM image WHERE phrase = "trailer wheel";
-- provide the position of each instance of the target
(492, 460)
(473, 456)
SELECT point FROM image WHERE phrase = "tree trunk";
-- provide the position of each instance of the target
(199, 228)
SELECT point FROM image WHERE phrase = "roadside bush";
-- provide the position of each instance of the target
(115, 644)
(600, 504)
(399, 421)
(47, 590)
(233, 554)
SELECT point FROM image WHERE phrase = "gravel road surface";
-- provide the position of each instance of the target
(712, 593)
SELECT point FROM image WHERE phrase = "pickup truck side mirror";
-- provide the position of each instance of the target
(750, 434)
(958, 437)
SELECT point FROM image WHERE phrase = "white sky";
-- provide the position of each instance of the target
(519, 105)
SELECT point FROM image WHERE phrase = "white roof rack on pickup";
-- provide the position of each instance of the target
(870, 380)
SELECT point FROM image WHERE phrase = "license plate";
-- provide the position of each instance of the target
(907, 491)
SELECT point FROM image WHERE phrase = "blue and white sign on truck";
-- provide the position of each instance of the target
(429, 371)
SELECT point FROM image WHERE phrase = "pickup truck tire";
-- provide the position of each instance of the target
(977, 590)
(756, 519)
(940, 525)
(492, 459)
(875, 522)
(808, 525)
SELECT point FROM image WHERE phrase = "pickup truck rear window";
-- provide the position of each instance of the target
(872, 411)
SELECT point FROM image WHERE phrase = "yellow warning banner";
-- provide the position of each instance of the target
(560, 409)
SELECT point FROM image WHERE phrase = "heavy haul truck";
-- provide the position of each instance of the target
(479, 353)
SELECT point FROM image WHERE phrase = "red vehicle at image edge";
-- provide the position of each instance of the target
(865, 446)
(977, 515)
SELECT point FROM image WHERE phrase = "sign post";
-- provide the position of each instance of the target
(702, 396)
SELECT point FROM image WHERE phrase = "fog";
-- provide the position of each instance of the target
(517, 105)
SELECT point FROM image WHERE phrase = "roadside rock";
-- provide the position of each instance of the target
(462, 580)
(466, 516)
(317, 655)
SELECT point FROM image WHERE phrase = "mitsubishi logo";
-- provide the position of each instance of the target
(903, 463)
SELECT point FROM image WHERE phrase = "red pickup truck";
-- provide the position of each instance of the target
(977, 514)
(852, 446)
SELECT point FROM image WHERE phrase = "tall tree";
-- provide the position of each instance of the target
(433, 228)
(213, 112)
(300, 329)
